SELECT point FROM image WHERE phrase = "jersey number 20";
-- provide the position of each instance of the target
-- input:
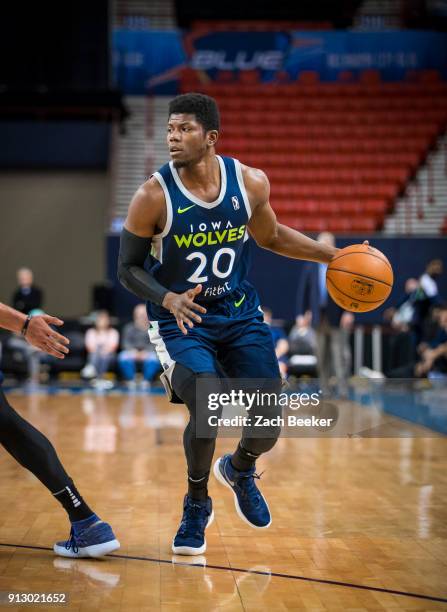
(196, 275)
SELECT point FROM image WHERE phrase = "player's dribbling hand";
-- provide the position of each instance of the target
(40, 335)
(366, 242)
(182, 306)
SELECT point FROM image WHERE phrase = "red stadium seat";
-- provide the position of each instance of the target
(225, 76)
(308, 77)
(337, 154)
(249, 76)
(370, 76)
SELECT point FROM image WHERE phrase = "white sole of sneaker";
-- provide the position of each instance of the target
(221, 479)
(94, 551)
(187, 550)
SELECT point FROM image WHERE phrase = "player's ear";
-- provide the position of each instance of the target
(212, 137)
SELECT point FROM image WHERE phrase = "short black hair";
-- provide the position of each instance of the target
(203, 107)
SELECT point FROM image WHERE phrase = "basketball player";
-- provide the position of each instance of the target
(89, 536)
(196, 214)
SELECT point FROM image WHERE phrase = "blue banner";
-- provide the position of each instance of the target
(145, 61)
(231, 51)
(154, 62)
(392, 53)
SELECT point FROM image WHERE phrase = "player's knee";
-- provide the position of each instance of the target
(191, 386)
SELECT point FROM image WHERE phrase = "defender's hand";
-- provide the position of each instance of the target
(40, 335)
(182, 306)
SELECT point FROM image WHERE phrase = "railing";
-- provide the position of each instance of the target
(376, 348)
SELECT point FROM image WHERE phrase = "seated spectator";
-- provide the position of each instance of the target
(26, 354)
(279, 341)
(101, 343)
(137, 350)
(413, 322)
(27, 296)
(433, 362)
(429, 297)
(428, 358)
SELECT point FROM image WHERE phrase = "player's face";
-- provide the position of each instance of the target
(186, 139)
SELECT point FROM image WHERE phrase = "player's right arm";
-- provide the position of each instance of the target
(145, 218)
(38, 332)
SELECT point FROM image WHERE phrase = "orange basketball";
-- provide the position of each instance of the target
(359, 278)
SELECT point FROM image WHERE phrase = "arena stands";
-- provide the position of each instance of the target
(337, 154)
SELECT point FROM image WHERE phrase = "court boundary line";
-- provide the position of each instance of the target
(326, 581)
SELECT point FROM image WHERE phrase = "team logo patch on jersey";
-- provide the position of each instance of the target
(235, 202)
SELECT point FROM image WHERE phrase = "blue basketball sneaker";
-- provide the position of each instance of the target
(96, 540)
(190, 537)
(248, 499)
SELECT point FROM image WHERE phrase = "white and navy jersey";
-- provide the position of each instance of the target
(203, 242)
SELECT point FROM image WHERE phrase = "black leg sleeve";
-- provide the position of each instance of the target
(31, 448)
(199, 451)
(258, 440)
(34, 452)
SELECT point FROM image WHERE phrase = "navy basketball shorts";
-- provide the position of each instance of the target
(232, 340)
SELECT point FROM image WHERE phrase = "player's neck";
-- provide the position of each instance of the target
(204, 173)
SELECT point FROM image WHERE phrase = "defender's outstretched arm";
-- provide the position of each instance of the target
(36, 330)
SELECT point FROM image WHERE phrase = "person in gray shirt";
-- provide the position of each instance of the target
(137, 350)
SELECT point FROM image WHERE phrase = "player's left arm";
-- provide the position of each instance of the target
(274, 236)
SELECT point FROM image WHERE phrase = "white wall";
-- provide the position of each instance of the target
(54, 223)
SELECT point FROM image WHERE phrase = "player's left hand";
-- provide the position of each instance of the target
(40, 335)
(182, 306)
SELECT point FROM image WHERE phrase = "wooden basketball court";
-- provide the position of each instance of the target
(358, 524)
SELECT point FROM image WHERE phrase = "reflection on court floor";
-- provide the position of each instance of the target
(348, 512)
